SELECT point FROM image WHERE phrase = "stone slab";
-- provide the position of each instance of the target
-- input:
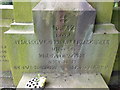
(69, 81)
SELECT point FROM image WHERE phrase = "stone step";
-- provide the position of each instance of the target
(21, 28)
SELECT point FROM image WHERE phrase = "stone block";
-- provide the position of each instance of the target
(6, 12)
(104, 10)
(23, 10)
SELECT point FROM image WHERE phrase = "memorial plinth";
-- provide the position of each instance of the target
(81, 81)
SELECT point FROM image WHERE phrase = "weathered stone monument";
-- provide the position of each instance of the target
(6, 18)
(62, 40)
(60, 29)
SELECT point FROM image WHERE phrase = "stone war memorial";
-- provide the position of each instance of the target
(60, 44)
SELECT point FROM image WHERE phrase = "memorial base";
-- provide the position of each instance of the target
(88, 81)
